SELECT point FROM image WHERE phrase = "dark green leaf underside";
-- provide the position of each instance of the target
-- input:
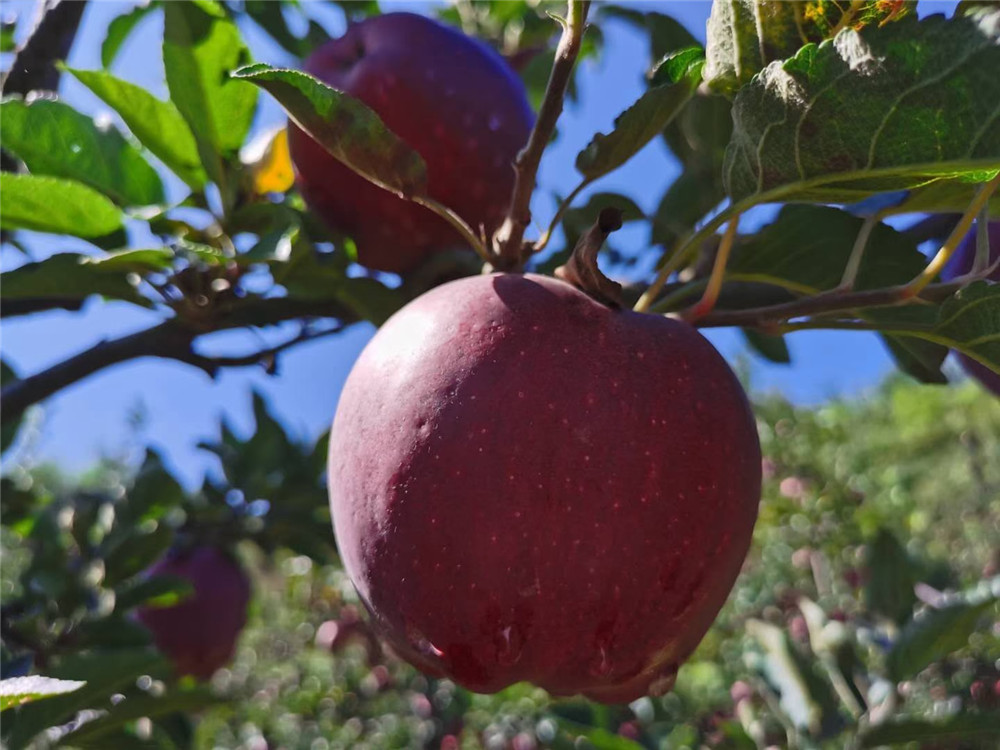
(882, 109)
(346, 127)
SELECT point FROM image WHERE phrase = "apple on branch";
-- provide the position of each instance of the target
(529, 484)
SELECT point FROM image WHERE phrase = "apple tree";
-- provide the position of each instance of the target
(851, 136)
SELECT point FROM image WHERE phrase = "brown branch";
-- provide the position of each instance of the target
(34, 68)
(172, 339)
(509, 241)
(27, 305)
(827, 302)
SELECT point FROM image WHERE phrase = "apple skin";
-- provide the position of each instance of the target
(199, 633)
(960, 264)
(527, 485)
(448, 96)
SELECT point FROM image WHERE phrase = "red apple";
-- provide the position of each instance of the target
(527, 485)
(960, 264)
(451, 98)
(199, 633)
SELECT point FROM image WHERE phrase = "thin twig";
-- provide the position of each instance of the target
(858, 252)
(913, 288)
(542, 241)
(509, 240)
(680, 255)
(458, 223)
(706, 304)
(171, 339)
(827, 302)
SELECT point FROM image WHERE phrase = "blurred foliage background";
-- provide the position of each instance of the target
(865, 610)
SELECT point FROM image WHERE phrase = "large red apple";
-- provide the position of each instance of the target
(527, 485)
(199, 633)
(960, 264)
(451, 98)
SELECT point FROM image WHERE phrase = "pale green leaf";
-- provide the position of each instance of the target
(157, 124)
(28, 202)
(52, 138)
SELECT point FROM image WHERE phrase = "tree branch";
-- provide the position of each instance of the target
(34, 68)
(827, 302)
(510, 237)
(172, 339)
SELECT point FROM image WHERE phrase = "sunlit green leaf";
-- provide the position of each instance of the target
(638, 125)
(157, 124)
(20, 690)
(201, 46)
(52, 138)
(120, 28)
(28, 202)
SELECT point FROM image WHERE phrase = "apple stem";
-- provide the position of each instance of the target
(582, 271)
(509, 240)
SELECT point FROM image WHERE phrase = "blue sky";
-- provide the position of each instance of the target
(181, 405)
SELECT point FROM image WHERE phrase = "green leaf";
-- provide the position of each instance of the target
(806, 248)
(961, 726)
(970, 322)
(772, 348)
(52, 138)
(269, 16)
(157, 124)
(139, 261)
(891, 577)
(639, 124)
(134, 550)
(192, 700)
(156, 591)
(309, 274)
(105, 672)
(20, 690)
(935, 634)
(919, 98)
(201, 45)
(28, 202)
(806, 700)
(743, 36)
(119, 30)
(918, 358)
(345, 127)
(67, 276)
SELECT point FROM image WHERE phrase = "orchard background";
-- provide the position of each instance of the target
(866, 611)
